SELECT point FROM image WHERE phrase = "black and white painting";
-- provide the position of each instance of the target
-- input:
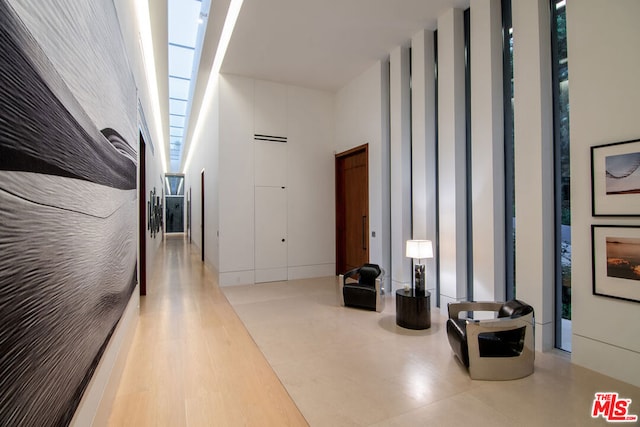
(68, 203)
(615, 179)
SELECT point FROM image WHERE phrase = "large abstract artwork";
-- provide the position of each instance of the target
(67, 201)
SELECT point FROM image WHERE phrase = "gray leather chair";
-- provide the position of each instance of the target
(493, 349)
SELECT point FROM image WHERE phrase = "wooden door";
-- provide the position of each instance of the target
(142, 206)
(352, 209)
(202, 211)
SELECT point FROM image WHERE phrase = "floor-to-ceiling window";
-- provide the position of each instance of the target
(467, 115)
(562, 173)
(509, 159)
(437, 172)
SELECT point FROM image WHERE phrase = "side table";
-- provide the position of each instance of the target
(413, 309)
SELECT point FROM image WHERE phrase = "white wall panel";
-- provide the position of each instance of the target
(487, 152)
(270, 108)
(452, 158)
(207, 159)
(400, 124)
(303, 165)
(271, 163)
(533, 150)
(311, 181)
(423, 146)
(236, 178)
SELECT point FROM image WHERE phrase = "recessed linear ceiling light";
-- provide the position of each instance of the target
(223, 44)
(225, 37)
(146, 43)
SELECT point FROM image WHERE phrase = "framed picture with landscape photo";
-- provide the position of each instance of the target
(616, 261)
(615, 179)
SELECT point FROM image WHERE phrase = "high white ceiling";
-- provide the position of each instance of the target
(323, 44)
(320, 44)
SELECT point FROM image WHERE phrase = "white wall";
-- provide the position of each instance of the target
(533, 151)
(423, 148)
(206, 157)
(487, 159)
(310, 180)
(604, 95)
(452, 158)
(362, 118)
(236, 181)
(400, 125)
(311, 195)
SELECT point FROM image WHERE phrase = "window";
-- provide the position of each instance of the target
(562, 173)
(509, 159)
(467, 116)
(437, 172)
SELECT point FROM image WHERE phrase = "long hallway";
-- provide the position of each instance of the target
(192, 361)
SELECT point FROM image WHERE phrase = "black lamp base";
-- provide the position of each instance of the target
(420, 279)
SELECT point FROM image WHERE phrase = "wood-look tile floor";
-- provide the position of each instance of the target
(193, 362)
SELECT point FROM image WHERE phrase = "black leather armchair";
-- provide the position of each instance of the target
(367, 292)
(493, 349)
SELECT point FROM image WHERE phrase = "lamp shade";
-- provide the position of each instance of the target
(419, 249)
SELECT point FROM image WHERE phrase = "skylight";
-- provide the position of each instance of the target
(187, 23)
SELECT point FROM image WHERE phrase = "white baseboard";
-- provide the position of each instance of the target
(607, 359)
(233, 278)
(311, 271)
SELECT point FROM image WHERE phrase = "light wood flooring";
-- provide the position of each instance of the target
(194, 361)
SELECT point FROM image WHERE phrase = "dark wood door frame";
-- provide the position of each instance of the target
(202, 209)
(142, 215)
(341, 208)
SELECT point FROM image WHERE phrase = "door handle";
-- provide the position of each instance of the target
(364, 232)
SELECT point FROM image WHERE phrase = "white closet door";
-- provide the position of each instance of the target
(271, 234)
